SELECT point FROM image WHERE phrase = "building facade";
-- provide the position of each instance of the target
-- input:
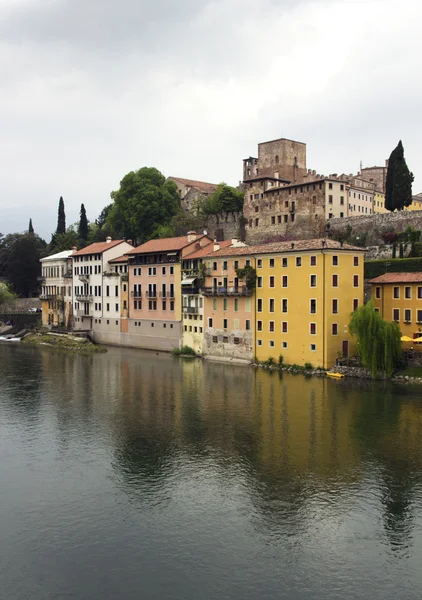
(192, 192)
(56, 289)
(361, 195)
(398, 297)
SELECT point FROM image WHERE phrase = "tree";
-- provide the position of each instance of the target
(61, 219)
(30, 227)
(378, 341)
(7, 297)
(83, 225)
(398, 185)
(144, 202)
(20, 261)
(225, 199)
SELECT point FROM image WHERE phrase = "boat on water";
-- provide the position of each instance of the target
(335, 375)
(9, 339)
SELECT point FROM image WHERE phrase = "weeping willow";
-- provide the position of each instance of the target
(378, 341)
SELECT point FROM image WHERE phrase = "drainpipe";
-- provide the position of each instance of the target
(323, 308)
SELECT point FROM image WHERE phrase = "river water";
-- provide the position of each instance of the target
(137, 475)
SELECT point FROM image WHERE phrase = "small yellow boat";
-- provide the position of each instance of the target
(335, 375)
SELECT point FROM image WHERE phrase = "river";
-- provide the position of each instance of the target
(136, 475)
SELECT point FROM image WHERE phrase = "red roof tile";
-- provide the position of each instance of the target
(119, 259)
(164, 245)
(98, 247)
(202, 186)
(295, 246)
(398, 278)
(207, 250)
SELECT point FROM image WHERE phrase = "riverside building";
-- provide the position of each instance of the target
(56, 289)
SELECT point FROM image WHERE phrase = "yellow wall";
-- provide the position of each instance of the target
(386, 303)
(379, 203)
(298, 293)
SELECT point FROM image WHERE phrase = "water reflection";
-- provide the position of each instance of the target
(317, 467)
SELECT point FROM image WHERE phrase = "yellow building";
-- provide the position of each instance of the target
(379, 203)
(416, 203)
(306, 291)
(398, 297)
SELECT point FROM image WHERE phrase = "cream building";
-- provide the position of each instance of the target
(56, 294)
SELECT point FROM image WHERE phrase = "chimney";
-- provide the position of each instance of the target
(205, 232)
(74, 248)
(341, 244)
(130, 242)
(108, 239)
(191, 236)
(216, 245)
(293, 246)
(234, 241)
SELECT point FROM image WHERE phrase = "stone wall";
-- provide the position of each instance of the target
(370, 227)
(225, 226)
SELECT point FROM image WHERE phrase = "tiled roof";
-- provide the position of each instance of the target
(295, 246)
(119, 259)
(207, 250)
(98, 247)
(208, 188)
(164, 245)
(398, 278)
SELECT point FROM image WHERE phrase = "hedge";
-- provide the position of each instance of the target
(373, 268)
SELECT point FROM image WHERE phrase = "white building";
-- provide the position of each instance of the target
(56, 289)
(96, 286)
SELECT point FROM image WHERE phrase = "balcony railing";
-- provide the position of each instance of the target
(84, 298)
(191, 310)
(48, 296)
(189, 290)
(136, 294)
(166, 294)
(226, 291)
(84, 277)
(110, 274)
(150, 294)
(68, 274)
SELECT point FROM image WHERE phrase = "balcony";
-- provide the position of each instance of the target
(68, 274)
(166, 295)
(84, 277)
(84, 298)
(135, 294)
(151, 294)
(125, 277)
(226, 291)
(189, 290)
(81, 313)
(190, 310)
(110, 274)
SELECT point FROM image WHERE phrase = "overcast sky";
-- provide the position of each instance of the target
(92, 89)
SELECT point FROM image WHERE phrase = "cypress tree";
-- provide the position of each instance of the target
(61, 220)
(30, 228)
(83, 225)
(398, 185)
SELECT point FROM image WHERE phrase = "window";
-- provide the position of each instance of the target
(335, 261)
(396, 314)
(236, 305)
(284, 262)
(259, 263)
(407, 315)
(377, 292)
(116, 306)
(271, 263)
(419, 316)
(259, 325)
(334, 329)
(225, 323)
(330, 199)
(284, 281)
(335, 306)
(284, 326)
(214, 303)
(396, 292)
(259, 305)
(259, 282)
(256, 222)
(271, 305)
(224, 265)
(247, 263)
(236, 264)
(209, 322)
(272, 220)
(408, 292)
(271, 343)
(171, 270)
(248, 325)
(312, 308)
(355, 303)
(271, 281)
(342, 200)
(285, 218)
(214, 339)
(171, 305)
(313, 261)
(298, 261)
(107, 307)
(313, 347)
(236, 341)
(225, 304)
(356, 261)
(284, 344)
(284, 305)
(259, 342)
(330, 186)
(312, 328)
(419, 292)
(313, 280)
(152, 324)
(355, 280)
(335, 280)
(164, 305)
(271, 326)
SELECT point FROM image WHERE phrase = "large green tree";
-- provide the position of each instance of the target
(61, 218)
(144, 202)
(7, 297)
(83, 229)
(20, 261)
(398, 185)
(225, 199)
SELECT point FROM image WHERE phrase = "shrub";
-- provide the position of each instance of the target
(269, 362)
(373, 268)
(183, 350)
(308, 366)
(280, 360)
